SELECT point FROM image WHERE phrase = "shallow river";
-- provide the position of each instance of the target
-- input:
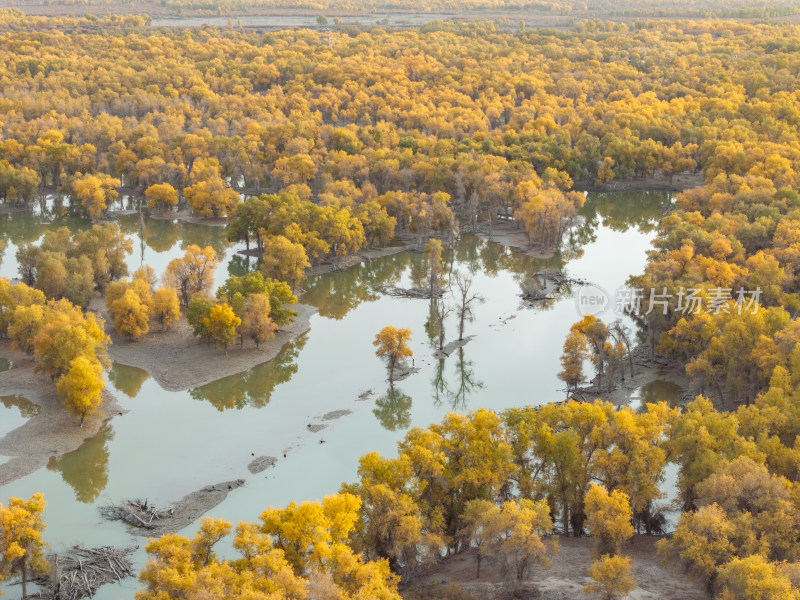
(172, 443)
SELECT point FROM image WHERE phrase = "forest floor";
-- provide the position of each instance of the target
(51, 433)
(178, 361)
(564, 580)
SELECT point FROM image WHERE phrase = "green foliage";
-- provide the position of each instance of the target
(236, 290)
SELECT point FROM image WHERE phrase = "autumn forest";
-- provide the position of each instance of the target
(308, 173)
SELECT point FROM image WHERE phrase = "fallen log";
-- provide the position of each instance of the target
(423, 293)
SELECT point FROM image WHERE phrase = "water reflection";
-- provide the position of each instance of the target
(21, 228)
(85, 470)
(661, 390)
(26, 408)
(128, 380)
(456, 392)
(336, 294)
(254, 387)
(432, 325)
(242, 265)
(161, 235)
(393, 409)
(6, 364)
(621, 211)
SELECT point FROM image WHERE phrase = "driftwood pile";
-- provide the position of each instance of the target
(543, 284)
(79, 572)
(423, 293)
(138, 513)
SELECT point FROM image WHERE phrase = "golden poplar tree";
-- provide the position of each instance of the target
(21, 543)
(222, 323)
(82, 387)
(392, 345)
(166, 307)
(611, 578)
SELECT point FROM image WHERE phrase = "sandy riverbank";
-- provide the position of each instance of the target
(51, 433)
(179, 514)
(179, 361)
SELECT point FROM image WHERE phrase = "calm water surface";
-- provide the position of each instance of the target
(172, 443)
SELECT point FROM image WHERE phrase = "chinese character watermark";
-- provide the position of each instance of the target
(594, 300)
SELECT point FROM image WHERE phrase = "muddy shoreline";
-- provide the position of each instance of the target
(354, 260)
(510, 234)
(53, 432)
(645, 372)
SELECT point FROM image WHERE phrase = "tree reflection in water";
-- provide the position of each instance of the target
(336, 294)
(26, 408)
(85, 470)
(457, 392)
(254, 387)
(393, 409)
(128, 380)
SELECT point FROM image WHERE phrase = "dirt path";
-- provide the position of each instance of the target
(178, 361)
(53, 431)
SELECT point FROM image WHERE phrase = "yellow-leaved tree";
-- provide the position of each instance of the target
(608, 517)
(611, 578)
(131, 315)
(166, 307)
(576, 351)
(511, 533)
(21, 543)
(434, 251)
(392, 344)
(66, 334)
(221, 324)
(209, 195)
(95, 192)
(284, 260)
(161, 196)
(524, 522)
(294, 553)
(256, 323)
(754, 578)
(82, 387)
(193, 273)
